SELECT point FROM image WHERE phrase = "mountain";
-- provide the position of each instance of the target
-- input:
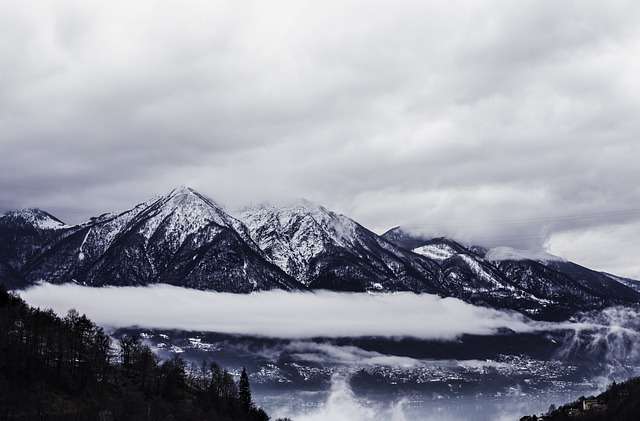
(469, 275)
(181, 238)
(186, 239)
(23, 236)
(325, 250)
(557, 284)
(33, 218)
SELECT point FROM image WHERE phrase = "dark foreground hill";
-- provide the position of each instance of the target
(621, 402)
(54, 368)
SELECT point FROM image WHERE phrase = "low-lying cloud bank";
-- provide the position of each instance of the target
(278, 313)
(326, 353)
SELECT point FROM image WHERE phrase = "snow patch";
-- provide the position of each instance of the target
(483, 274)
(36, 218)
(436, 251)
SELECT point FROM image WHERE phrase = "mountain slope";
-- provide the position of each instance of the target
(182, 238)
(325, 250)
(23, 235)
(631, 283)
(559, 286)
(597, 282)
(466, 275)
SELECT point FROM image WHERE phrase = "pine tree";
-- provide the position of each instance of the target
(216, 384)
(244, 391)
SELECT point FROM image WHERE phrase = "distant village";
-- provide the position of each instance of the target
(621, 402)
(584, 406)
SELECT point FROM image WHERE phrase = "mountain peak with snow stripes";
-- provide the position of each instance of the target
(185, 238)
(34, 217)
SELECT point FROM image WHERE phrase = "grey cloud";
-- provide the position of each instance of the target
(447, 116)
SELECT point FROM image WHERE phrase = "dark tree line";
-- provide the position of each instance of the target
(54, 368)
(620, 402)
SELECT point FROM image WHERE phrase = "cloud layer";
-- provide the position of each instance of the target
(497, 123)
(277, 313)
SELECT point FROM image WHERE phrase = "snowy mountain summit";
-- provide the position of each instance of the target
(185, 238)
(34, 217)
(294, 234)
(323, 249)
(180, 238)
(184, 212)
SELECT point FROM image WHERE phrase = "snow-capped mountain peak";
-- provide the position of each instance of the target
(35, 217)
(182, 212)
(182, 238)
(296, 232)
(185, 238)
(302, 221)
(324, 249)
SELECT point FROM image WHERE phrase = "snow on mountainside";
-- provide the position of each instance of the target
(438, 252)
(536, 276)
(169, 219)
(182, 238)
(182, 213)
(34, 217)
(466, 272)
(439, 249)
(23, 236)
(100, 232)
(323, 249)
(294, 234)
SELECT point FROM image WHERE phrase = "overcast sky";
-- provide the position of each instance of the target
(496, 122)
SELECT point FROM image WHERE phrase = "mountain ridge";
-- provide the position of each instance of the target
(320, 248)
(534, 272)
(179, 238)
(186, 239)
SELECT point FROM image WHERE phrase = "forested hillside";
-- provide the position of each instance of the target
(621, 402)
(54, 368)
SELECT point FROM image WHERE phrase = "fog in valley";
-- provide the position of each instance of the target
(370, 357)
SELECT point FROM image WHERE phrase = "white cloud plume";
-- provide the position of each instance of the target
(347, 355)
(355, 357)
(278, 313)
(342, 405)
